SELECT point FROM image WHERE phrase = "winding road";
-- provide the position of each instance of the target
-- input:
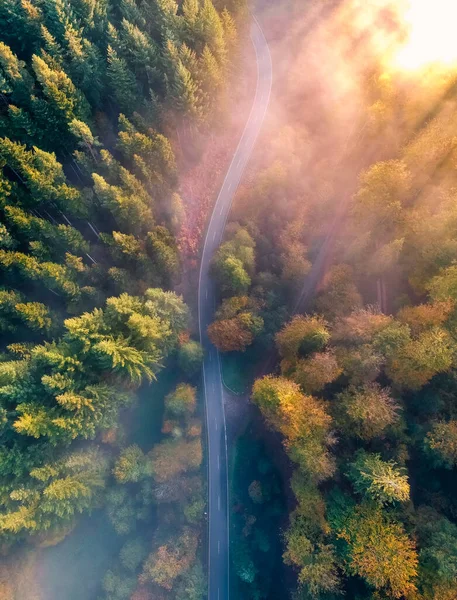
(218, 501)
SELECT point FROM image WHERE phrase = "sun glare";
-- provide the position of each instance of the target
(432, 34)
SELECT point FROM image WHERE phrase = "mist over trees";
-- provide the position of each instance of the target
(343, 243)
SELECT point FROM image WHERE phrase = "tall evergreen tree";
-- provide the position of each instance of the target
(181, 88)
(15, 82)
(122, 82)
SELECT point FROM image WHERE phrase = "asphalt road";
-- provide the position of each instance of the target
(218, 503)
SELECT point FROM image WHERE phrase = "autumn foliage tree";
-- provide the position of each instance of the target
(302, 336)
(379, 480)
(169, 561)
(301, 419)
(379, 550)
(236, 325)
(441, 443)
(367, 412)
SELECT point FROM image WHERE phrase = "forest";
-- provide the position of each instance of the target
(337, 280)
(95, 99)
(336, 285)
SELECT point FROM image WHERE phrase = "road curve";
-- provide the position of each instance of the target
(218, 503)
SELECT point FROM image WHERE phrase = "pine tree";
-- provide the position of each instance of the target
(84, 65)
(20, 126)
(121, 81)
(211, 79)
(127, 360)
(43, 175)
(161, 18)
(181, 88)
(53, 49)
(52, 492)
(131, 214)
(93, 16)
(151, 155)
(58, 239)
(132, 13)
(230, 33)
(139, 51)
(15, 81)
(53, 276)
(57, 17)
(62, 97)
(210, 30)
(34, 315)
(21, 22)
(84, 135)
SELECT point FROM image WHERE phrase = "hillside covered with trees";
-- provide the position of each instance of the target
(95, 95)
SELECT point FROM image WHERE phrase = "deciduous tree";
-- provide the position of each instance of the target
(302, 420)
(379, 480)
(367, 412)
(380, 551)
(441, 443)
